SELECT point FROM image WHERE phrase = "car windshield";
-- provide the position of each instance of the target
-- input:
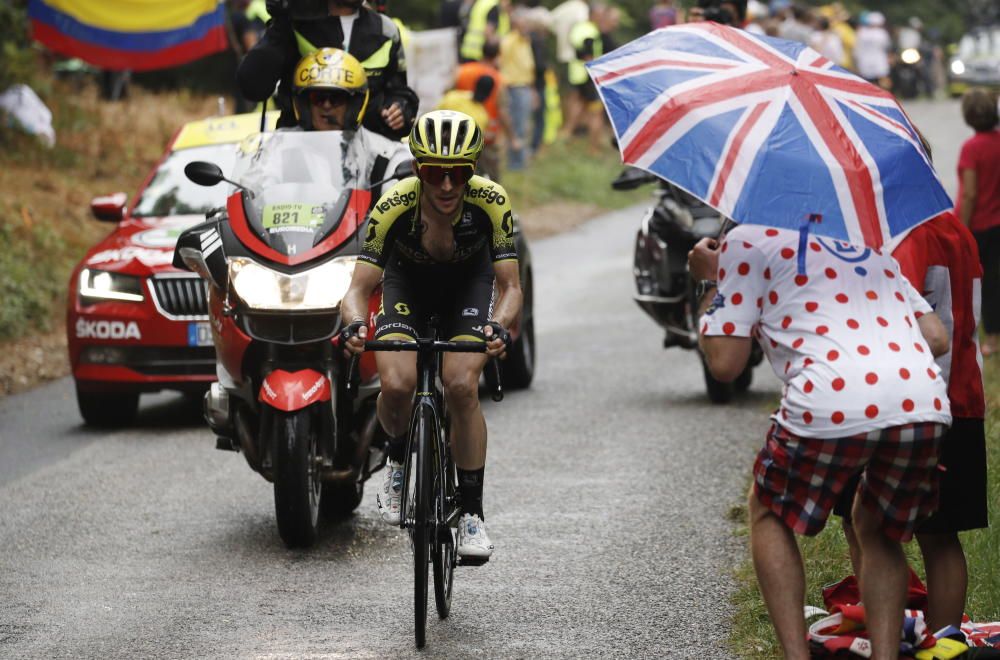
(984, 43)
(171, 193)
(299, 185)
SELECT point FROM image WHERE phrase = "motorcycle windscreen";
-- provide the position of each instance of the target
(299, 187)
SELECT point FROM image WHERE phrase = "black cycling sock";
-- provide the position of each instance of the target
(397, 449)
(470, 486)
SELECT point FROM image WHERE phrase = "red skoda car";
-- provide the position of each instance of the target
(135, 323)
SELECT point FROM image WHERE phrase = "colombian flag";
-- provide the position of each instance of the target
(130, 34)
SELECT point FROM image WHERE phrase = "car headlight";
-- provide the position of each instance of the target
(910, 56)
(958, 67)
(322, 287)
(105, 285)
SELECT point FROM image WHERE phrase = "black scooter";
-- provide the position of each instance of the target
(664, 288)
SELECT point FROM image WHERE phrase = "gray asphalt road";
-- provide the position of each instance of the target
(608, 488)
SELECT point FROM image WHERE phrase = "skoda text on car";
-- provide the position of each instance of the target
(135, 323)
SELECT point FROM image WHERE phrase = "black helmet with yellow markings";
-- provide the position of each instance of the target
(331, 70)
(446, 135)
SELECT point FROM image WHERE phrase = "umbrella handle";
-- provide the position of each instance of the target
(725, 227)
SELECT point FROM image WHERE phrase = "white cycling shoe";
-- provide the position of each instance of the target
(472, 538)
(389, 498)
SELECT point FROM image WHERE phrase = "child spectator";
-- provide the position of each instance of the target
(979, 201)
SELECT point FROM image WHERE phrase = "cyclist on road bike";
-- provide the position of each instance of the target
(444, 242)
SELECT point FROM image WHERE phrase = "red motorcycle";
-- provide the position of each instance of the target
(278, 259)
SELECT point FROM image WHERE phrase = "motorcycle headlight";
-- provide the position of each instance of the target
(958, 67)
(910, 56)
(322, 287)
(98, 285)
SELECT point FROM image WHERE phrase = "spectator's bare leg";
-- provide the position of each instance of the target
(852, 546)
(883, 583)
(947, 578)
(778, 565)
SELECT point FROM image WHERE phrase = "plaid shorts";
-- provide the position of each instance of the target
(799, 479)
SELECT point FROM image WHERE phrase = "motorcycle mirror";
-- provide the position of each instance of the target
(404, 170)
(631, 178)
(204, 174)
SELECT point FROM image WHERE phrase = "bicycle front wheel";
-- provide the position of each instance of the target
(423, 516)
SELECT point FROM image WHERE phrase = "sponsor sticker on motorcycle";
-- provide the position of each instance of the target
(199, 334)
(277, 216)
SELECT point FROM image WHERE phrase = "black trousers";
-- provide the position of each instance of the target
(989, 256)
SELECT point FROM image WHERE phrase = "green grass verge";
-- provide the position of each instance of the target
(567, 172)
(826, 559)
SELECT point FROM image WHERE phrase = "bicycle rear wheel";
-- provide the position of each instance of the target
(423, 518)
(444, 550)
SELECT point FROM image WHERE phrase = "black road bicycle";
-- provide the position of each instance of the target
(430, 506)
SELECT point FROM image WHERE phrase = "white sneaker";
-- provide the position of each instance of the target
(472, 538)
(389, 497)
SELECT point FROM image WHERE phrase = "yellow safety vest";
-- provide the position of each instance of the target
(576, 71)
(475, 33)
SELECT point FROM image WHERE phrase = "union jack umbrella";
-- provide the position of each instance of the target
(768, 132)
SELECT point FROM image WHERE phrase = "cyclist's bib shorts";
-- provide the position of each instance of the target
(462, 300)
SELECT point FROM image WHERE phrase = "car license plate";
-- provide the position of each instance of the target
(199, 334)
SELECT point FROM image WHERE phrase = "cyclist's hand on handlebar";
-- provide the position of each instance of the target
(497, 339)
(352, 338)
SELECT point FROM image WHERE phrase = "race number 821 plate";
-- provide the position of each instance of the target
(199, 334)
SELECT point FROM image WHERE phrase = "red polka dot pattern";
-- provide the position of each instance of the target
(831, 273)
(787, 253)
(871, 295)
(882, 322)
(801, 280)
(743, 269)
(904, 373)
(822, 330)
(838, 384)
(808, 387)
(807, 417)
(871, 412)
(931, 374)
(832, 356)
(773, 297)
(908, 405)
(864, 350)
(812, 306)
(728, 328)
(871, 378)
(736, 299)
(837, 417)
(852, 324)
(842, 298)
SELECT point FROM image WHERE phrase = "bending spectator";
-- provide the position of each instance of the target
(871, 50)
(839, 336)
(936, 258)
(469, 77)
(979, 201)
(517, 70)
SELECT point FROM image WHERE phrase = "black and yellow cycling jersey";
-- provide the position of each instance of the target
(484, 223)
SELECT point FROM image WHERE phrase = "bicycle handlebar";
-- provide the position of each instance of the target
(423, 345)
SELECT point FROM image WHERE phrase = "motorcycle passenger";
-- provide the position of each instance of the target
(445, 239)
(367, 35)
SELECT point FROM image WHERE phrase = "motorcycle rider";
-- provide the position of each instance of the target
(445, 239)
(364, 33)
